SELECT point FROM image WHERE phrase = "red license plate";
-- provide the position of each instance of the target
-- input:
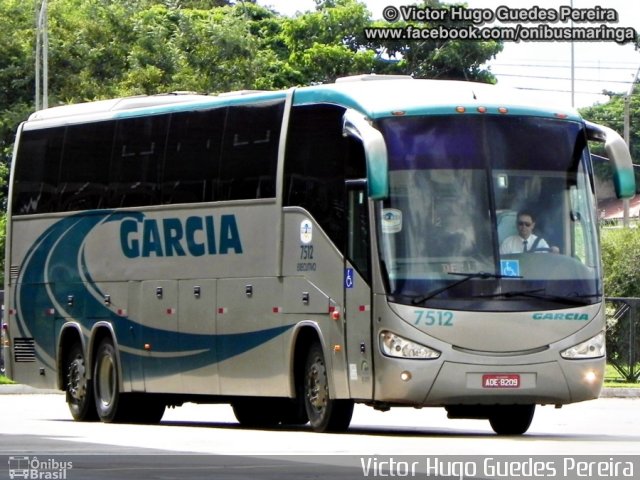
(501, 380)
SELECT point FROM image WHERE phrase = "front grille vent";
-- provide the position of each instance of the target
(24, 350)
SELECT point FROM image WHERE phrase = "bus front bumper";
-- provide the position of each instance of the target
(419, 383)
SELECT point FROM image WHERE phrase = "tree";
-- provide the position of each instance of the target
(329, 43)
(452, 59)
(611, 114)
(313, 37)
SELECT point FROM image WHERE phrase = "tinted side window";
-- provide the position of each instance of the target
(318, 161)
(84, 174)
(250, 151)
(135, 165)
(36, 171)
(193, 156)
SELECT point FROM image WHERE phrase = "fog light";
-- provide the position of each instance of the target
(405, 376)
(590, 376)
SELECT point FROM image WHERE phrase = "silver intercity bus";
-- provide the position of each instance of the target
(293, 253)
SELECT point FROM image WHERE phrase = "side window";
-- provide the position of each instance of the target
(36, 171)
(135, 164)
(84, 174)
(192, 159)
(318, 161)
(250, 152)
(358, 244)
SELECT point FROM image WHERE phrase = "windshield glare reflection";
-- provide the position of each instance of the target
(505, 197)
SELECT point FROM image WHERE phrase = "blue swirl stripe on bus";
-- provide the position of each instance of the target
(58, 258)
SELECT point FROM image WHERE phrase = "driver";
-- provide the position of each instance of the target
(525, 241)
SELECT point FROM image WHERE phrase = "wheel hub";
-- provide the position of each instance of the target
(106, 381)
(317, 391)
(76, 379)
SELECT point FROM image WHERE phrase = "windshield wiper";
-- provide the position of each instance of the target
(467, 277)
(539, 294)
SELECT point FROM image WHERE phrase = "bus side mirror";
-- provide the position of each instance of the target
(618, 153)
(356, 125)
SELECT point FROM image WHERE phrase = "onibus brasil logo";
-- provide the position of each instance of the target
(40, 469)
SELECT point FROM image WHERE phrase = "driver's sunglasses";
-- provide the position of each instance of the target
(524, 224)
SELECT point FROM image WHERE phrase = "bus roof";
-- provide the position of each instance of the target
(376, 96)
(407, 96)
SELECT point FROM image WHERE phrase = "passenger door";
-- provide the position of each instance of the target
(357, 296)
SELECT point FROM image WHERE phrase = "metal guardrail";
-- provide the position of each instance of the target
(623, 336)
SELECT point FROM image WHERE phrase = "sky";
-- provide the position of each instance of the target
(545, 67)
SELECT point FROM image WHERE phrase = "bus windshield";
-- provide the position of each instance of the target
(466, 192)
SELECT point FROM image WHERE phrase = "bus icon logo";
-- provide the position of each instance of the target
(306, 231)
(18, 467)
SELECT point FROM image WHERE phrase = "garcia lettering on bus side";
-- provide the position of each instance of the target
(194, 236)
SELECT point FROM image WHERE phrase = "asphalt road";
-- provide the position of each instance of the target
(205, 441)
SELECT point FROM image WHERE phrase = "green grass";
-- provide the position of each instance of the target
(613, 379)
(5, 381)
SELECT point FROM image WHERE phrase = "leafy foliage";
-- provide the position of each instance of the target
(611, 114)
(621, 260)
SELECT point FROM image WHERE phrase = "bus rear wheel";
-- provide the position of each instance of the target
(78, 388)
(325, 414)
(114, 406)
(511, 419)
(111, 405)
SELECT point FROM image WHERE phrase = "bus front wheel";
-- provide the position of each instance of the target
(511, 419)
(325, 414)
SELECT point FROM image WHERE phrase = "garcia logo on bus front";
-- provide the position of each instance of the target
(581, 316)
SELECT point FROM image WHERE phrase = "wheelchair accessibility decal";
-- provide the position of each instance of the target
(510, 268)
(348, 278)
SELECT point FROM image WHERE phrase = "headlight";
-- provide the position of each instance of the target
(592, 348)
(394, 345)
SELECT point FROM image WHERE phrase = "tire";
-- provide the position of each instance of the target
(145, 408)
(325, 414)
(254, 412)
(511, 419)
(111, 405)
(265, 412)
(78, 388)
(293, 411)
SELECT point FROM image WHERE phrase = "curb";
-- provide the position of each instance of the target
(620, 393)
(18, 389)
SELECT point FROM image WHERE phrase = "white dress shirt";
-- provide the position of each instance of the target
(515, 244)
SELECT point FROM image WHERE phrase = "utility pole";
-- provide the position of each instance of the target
(627, 138)
(573, 66)
(42, 56)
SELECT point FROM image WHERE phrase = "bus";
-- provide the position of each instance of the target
(293, 253)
